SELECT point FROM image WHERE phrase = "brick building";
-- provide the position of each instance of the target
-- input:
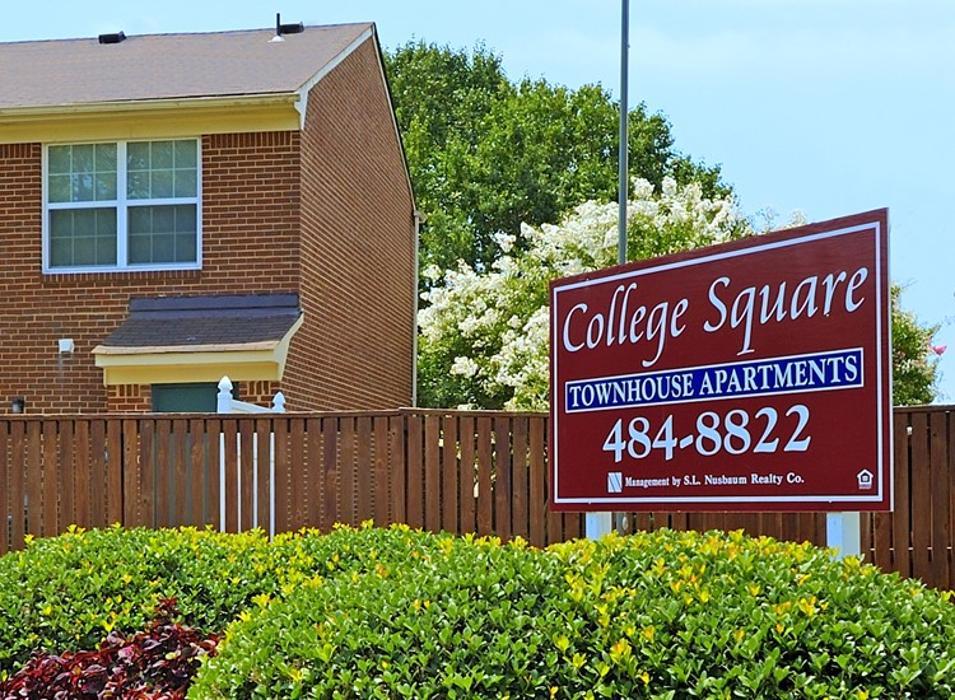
(175, 208)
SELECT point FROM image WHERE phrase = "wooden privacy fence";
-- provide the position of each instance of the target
(460, 471)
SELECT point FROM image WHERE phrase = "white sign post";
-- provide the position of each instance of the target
(843, 533)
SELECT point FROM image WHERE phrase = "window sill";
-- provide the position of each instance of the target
(130, 273)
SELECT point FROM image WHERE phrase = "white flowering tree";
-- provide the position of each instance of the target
(484, 332)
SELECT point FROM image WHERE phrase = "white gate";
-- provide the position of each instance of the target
(225, 403)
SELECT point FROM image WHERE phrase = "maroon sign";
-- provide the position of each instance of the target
(750, 376)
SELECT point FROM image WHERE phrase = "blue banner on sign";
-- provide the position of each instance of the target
(836, 369)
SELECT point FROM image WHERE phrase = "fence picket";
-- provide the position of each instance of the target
(7, 498)
(81, 502)
(230, 456)
(197, 471)
(382, 502)
(65, 477)
(466, 482)
(132, 474)
(920, 486)
(519, 521)
(330, 472)
(398, 469)
(502, 477)
(246, 473)
(432, 473)
(50, 478)
(213, 484)
(296, 472)
(346, 470)
(98, 517)
(315, 482)
(147, 473)
(941, 482)
(449, 473)
(282, 486)
(263, 477)
(537, 501)
(485, 467)
(901, 523)
(363, 470)
(415, 473)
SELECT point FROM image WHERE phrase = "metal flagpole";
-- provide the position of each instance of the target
(599, 524)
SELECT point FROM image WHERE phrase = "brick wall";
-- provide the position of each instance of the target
(127, 398)
(250, 244)
(358, 279)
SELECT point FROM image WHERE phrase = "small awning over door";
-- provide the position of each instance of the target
(200, 339)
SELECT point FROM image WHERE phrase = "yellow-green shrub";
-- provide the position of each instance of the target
(665, 615)
(66, 593)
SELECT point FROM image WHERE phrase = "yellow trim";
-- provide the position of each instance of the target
(183, 374)
(209, 366)
(136, 122)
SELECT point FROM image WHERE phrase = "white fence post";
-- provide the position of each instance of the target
(224, 397)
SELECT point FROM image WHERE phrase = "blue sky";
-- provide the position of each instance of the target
(826, 106)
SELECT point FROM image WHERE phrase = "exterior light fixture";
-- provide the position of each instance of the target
(18, 405)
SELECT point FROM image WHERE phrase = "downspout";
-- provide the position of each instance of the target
(419, 218)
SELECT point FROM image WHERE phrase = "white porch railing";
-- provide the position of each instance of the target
(225, 403)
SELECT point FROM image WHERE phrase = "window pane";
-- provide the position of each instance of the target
(162, 234)
(82, 173)
(137, 156)
(185, 185)
(186, 154)
(161, 184)
(137, 184)
(105, 187)
(82, 237)
(59, 189)
(59, 160)
(83, 159)
(105, 157)
(161, 154)
(82, 190)
(185, 247)
(161, 169)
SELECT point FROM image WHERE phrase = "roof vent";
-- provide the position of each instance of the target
(112, 38)
(280, 29)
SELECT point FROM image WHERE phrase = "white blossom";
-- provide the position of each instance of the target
(464, 366)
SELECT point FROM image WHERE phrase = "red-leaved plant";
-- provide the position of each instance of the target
(156, 664)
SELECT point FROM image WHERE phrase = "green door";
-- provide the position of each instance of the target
(185, 398)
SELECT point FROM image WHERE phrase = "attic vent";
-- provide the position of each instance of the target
(281, 29)
(112, 38)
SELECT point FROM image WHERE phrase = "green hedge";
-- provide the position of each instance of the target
(68, 592)
(400, 613)
(663, 615)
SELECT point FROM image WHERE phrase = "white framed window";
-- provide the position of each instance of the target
(122, 205)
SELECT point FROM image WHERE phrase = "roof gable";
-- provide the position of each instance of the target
(74, 72)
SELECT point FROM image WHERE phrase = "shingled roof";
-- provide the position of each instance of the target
(189, 323)
(73, 72)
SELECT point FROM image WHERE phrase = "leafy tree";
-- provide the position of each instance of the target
(487, 154)
(914, 369)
